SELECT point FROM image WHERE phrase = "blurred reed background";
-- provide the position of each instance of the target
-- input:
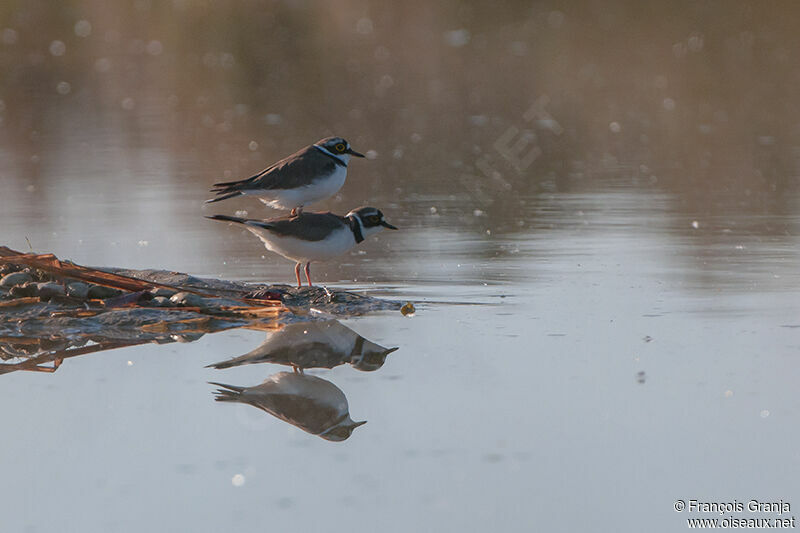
(482, 103)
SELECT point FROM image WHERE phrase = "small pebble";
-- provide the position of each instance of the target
(160, 301)
(16, 278)
(408, 309)
(37, 275)
(161, 291)
(186, 337)
(266, 294)
(187, 299)
(8, 268)
(41, 275)
(23, 291)
(48, 289)
(78, 289)
(99, 292)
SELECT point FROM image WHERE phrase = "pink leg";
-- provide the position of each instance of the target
(308, 274)
(297, 274)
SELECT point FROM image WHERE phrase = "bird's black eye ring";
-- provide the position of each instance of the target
(340, 147)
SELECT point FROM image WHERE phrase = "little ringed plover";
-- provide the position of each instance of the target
(308, 237)
(312, 174)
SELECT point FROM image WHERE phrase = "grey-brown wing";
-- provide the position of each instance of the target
(307, 226)
(307, 414)
(294, 171)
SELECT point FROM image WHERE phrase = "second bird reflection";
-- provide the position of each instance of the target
(322, 344)
(310, 403)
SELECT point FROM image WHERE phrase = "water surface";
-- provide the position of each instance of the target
(600, 331)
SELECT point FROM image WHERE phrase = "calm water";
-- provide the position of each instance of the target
(599, 214)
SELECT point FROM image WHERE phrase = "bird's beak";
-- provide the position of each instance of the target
(353, 152)
(387, 225)
(357, 424)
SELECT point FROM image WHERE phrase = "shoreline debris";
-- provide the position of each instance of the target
(51, 309)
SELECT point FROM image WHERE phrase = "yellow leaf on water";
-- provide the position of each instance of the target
(408, 309)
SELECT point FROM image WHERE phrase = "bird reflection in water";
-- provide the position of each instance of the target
(310, 403)
(321, 344)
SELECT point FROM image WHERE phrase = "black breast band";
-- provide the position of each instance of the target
(356, 228)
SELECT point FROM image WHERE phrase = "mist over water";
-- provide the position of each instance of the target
(612, 188)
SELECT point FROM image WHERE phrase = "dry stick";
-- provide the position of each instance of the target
(50, 263)
(33, 363)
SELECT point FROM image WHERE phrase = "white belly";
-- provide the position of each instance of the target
(337, 243)
(321, 189)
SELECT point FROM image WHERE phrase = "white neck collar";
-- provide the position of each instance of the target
(345, 158)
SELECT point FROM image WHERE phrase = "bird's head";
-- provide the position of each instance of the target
(371, 220)
(371, 357)
(338, 147)
(342, 430)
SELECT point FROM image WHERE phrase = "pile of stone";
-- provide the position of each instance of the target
(51, 310)
(25, 282)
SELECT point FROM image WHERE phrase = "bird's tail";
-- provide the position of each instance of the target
(227, 218)
(228, 186)
(224, 364)
(224, 196)
(246, 221)
(228, 393)
(231, 189)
